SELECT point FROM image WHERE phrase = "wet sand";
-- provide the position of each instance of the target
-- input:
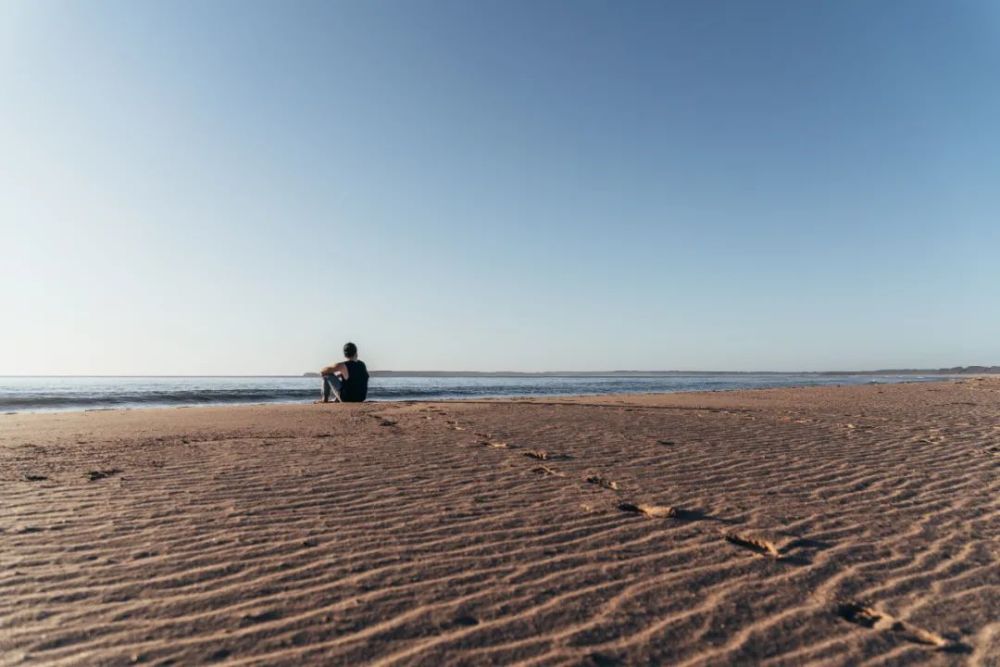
(834, 526)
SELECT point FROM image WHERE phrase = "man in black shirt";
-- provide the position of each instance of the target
(348, 380)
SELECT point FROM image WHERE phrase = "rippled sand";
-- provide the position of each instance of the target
(830, 526)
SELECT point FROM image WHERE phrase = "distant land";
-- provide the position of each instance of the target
(956, 370)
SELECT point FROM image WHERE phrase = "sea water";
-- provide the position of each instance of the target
(32, 394)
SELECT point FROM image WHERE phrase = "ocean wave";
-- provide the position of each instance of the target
(28, 401)
(83, 394)
(153, 397)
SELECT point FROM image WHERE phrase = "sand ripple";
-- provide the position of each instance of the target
(834, 526)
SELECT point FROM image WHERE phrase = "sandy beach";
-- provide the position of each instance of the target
(834, 526)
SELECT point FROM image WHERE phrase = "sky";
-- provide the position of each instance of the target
(239, 187)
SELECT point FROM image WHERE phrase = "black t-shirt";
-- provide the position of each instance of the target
(355, 387)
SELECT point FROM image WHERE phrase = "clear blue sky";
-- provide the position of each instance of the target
(240, 187)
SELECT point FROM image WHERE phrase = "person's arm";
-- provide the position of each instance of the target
(340, 369)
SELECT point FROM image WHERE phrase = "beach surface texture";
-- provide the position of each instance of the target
(833, 526)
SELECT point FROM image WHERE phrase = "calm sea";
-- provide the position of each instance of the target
(32, 394)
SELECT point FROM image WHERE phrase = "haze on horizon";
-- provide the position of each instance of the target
(240, 187)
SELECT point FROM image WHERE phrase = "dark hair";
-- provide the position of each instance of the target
(350, 350)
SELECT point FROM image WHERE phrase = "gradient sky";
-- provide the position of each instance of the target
(239, 187)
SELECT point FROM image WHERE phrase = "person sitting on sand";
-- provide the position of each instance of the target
(348, 380)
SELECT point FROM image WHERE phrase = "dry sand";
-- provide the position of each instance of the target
(836, 526)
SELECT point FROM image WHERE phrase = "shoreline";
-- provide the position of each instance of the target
(825, 525)
(517, 397)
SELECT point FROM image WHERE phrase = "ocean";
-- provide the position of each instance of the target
(35, 394)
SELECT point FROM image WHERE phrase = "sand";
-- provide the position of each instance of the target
(834, 526)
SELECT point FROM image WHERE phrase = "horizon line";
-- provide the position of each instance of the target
(505, 372)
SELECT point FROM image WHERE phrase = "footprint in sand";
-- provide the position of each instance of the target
(758, 545)
(35, 478)
(651, 511)
(382, 421)
(776, 545)
(543, 455)
(868, 617)
(495, 444)
(547, 472)
(603, 482)
(95, 475)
